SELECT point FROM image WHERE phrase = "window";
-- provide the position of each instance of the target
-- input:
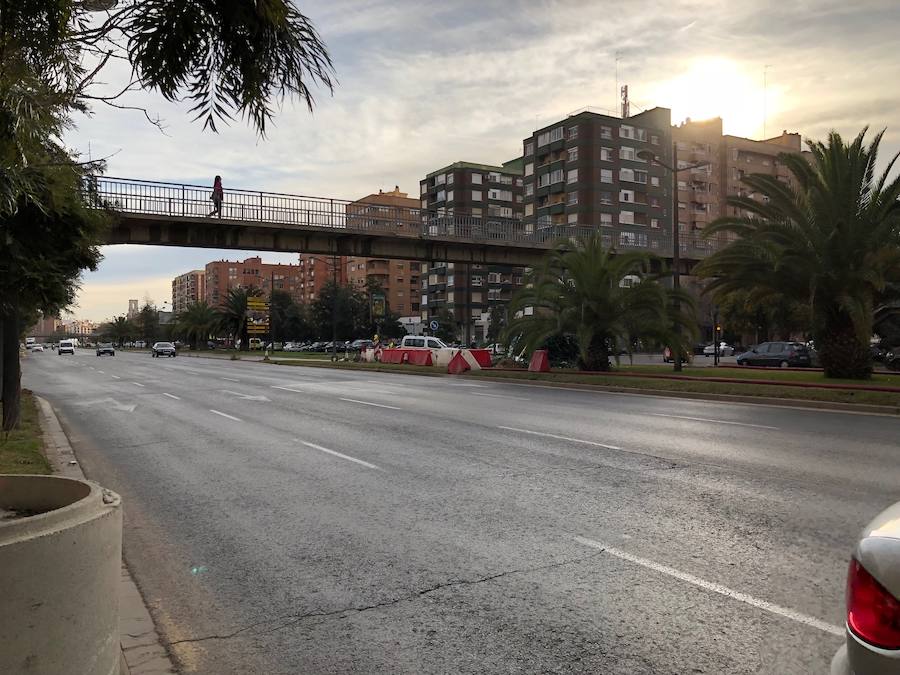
(476, 178)
(451, 296)
(626, 195)
(449, 195)
(640, 177)
(550, 136)
(606, 219)
(476, 212)
(573, 154)
(573, 176)
(529, 149)
(572, 198)
(557, 176)
(556, 134)
(477, 280)
(572, 219)
(543, 139)
(501, 211)
(633, 239)
(605, 132)
(626, 217)
(449, 179)
(606, 154)
(654, 201)
(654, 223)
(573, 132)
(606, 176)
(529, 209)
(606, 198)
(544, 180)
(654, 140)
(627, 175)
(476, 195)
(682, 205)
(626, 131)
(654, 181)
(423, 188)
(500, 195)
(626, 152)
(529, 189)
(641, 134)
(441, 196)
(529, 169)
(441, 179)
(424, 203)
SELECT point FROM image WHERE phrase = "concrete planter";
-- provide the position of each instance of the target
(59, 576)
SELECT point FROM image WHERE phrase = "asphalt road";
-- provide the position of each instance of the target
(285, 519)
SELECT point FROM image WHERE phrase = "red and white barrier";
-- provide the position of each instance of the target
(472, 359)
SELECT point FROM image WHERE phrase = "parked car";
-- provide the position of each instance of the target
(782, 354)
(163, 349)
(66, 347)
(359, 345)
(699, 348)
(892, 359)
(37, 348)
(140, 344)
(106, 348)
(872, 643)
(725, 349)
(413, 341)
(668, 358)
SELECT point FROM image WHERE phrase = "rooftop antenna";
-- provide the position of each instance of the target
(765, 94)
(626, 109)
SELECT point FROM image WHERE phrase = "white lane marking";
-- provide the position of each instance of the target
(177, 398)
(101, 372)
(563, 438)
(138, 384)
(377, 405)
(192, 372)
(296, 391)
(515, 398)
(245, 397)
(231, 379)
(338, 454)
(231, 417)
(456, 384)
(115, 377)
(706, 419)
(717, 588)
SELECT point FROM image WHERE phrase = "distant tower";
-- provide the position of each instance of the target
(132, 308)
(626, 111)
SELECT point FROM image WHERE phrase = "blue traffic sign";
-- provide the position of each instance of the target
(434, 325)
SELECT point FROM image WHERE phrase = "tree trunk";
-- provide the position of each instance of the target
(841, 352)
(12, 392)
(597, 357)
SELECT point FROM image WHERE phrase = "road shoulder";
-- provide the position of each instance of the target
(142, 650)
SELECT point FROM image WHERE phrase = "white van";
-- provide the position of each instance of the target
(66, 347)
(420, 341)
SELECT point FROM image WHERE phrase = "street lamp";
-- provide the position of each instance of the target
(649, 156)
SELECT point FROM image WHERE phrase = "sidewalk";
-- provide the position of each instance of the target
(142, 650)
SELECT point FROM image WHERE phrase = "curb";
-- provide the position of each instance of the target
(142, 651)
(866, 408)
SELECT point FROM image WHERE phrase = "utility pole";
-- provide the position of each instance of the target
(334, 302)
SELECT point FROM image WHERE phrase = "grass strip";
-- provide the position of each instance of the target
(22, 450)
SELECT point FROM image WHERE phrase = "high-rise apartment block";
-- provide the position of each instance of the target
(224, 275)
(703, 192)
(187, 289)
(401, 280)
(487, 195)
(583, 173)
(318, 270)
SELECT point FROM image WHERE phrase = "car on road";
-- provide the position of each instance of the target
(106, 348)
(37, 348)
(66, 347)
(781, 354)
(419, 341)
(872, 643)
(725, 349)
(163, 349)
(669, 358)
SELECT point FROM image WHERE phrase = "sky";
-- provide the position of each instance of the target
(421, 85)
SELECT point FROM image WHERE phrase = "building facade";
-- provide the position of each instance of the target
(401, 280)
(318, 270)
(187, 289)
(480, 196)
(223, 275)
(133, 308)
(583, 174)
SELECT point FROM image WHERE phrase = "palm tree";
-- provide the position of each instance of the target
(233, 314)
(600, 297)
(120, 329)
(197, 323)
(832, 242)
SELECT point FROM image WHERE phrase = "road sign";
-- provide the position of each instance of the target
(434, 325)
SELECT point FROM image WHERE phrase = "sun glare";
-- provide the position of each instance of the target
(719, 88)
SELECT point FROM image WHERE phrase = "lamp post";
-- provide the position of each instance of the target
(649, 156)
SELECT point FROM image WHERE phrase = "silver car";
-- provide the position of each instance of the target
(872, 646)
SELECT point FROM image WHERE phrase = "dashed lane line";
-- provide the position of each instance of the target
(339, 454)
(231, 417)
(562, 438)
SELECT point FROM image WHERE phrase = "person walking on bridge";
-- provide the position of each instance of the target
(217, 196)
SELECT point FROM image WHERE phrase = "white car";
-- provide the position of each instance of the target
(66, 347)
(422, 342)
(37, 348)
(725, 349)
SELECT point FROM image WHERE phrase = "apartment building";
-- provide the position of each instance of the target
(480, 196)
(401, 280)
(583, 173)
(703, 192)
(224, 275)
(187, 289)
(318, 270)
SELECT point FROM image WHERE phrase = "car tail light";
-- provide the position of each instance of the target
(873, 614)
